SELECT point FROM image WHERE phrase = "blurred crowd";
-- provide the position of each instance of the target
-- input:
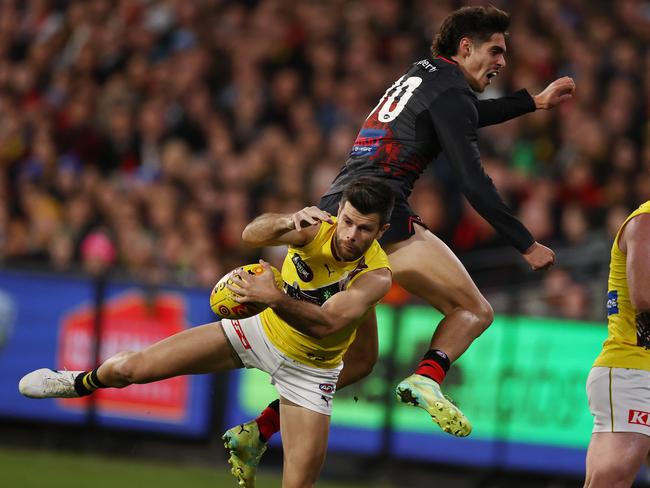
(144, 134)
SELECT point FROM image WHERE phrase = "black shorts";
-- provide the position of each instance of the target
(402, 220)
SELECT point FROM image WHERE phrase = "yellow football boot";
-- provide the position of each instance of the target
(420, 391)
(246, 449)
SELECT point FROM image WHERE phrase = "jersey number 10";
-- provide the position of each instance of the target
(400, 91)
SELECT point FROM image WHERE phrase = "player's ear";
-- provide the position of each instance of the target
(382, 229)
(465, 46)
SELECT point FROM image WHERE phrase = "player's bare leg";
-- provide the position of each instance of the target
(361, 356)
(202, 349)
(199, 350)
(247, 442)
(426, 267)
(614, 458)
(304, 436)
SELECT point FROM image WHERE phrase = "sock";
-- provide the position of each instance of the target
(434, 365)
(269, 421)
(87, 382)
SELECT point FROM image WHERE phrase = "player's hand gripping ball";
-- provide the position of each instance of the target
(222, 300)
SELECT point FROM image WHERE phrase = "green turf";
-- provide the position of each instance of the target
(47, 469)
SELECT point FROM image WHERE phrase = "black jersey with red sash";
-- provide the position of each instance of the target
(432, 109)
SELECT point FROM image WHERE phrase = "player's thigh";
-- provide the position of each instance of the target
(304, 441)
(618, 400)
(202, 349)
(616, 455)
(365, 347)
(426, 267)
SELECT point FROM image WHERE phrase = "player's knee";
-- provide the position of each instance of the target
(480, 314)
(299, 480)
(485, 314)
(298, 483)
(301, 469)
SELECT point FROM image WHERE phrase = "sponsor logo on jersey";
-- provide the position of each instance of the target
(612, 302)
(367, 142)
(303, 270)
(317, 296)
(427, 65)
(638, 417)
(327, 387)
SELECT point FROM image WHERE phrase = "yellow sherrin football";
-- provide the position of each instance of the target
(222, 300)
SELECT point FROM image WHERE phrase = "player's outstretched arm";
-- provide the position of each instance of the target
(493, 111)
(455, 120)
(335, 314)
(296, 229)
(497, 110)
(454, 117)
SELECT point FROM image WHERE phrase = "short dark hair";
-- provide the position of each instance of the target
(477, 23)
(370, 195)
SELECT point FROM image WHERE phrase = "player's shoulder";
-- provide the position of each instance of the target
(638, 223)
(440, 76)
(436, 68)
(376, 256)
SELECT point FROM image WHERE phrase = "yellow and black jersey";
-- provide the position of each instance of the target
(625, 346)
(313, 274)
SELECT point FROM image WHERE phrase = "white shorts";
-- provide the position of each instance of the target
(311, 388)
(619, 399)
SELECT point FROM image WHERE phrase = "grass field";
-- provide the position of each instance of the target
(47, 469)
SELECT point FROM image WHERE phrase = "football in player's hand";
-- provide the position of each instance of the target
(222, 300)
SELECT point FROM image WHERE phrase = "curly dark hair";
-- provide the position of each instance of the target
(477, 23)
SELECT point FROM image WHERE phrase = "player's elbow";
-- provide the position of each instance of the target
(471, 192)
(248, 238)
(328, 328)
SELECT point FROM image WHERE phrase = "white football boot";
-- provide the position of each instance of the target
(47, 383)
